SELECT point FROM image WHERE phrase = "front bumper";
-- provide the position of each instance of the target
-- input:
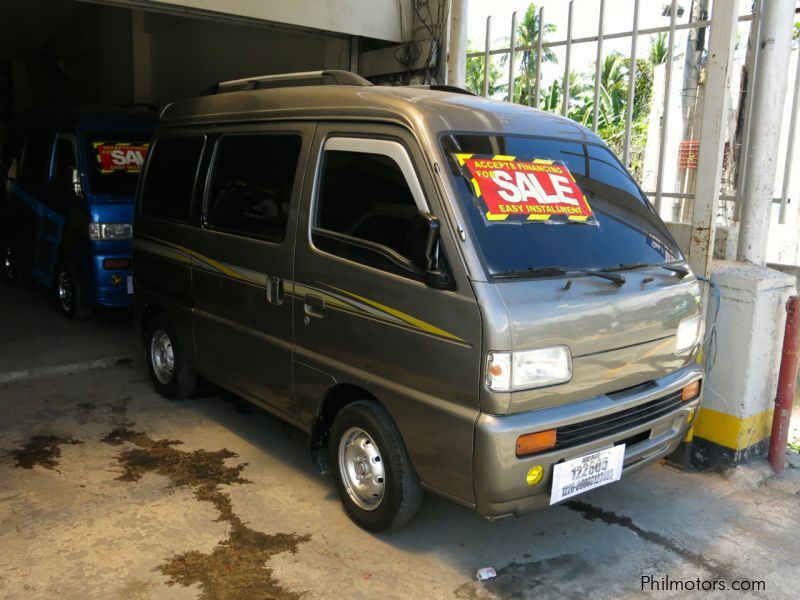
(106, 292)
(501, 488)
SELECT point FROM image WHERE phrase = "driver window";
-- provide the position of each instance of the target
(65, 162)
(366, 197)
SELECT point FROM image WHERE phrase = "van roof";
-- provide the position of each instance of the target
(415, 107)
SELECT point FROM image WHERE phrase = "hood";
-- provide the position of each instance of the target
(619, 337)
(112, 209)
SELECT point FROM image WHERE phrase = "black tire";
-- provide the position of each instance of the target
(10, 264)
(182, 380)
(401, 493)
(69, 294)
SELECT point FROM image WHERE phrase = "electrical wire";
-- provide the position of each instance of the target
(710, 341)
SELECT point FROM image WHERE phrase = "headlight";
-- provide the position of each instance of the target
(110, 231)
(689, 333)
(511, 371)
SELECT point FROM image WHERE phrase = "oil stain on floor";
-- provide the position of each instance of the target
(41, 450)
(595, 513)
(236, 568)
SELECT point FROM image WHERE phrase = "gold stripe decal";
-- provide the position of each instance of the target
(183, 254)
(338, 298)
(410, 320)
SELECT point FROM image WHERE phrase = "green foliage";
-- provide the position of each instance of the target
(475, 75)
(613, 85)
(528, 35)
(658, 48)
(796, 32)
(794, 445)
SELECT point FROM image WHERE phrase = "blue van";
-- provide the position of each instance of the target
(68, 180)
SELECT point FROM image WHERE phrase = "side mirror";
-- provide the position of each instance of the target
(423, 250)
(423, 241)
(76, 182)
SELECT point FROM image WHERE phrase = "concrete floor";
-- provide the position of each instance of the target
(34, 335)
(109, 491)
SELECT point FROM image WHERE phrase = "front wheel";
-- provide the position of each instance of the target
(375, 479)
(70, 295)
(171, 375)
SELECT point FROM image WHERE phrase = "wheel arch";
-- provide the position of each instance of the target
(336, 398)
(150, 312)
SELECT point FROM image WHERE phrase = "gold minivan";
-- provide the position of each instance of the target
(446, 292)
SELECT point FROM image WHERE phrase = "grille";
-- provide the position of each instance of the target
(587, 431)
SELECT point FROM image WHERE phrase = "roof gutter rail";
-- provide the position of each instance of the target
(339, 77)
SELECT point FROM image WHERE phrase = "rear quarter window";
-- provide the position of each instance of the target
(170, 177)
(252, 184)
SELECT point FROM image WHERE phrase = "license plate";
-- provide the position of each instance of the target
(573, 477)
(130, 284)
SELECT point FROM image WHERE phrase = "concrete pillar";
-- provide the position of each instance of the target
(769, 89)
(457, 43)
(713, 130)
(141, 52)
(735, 419)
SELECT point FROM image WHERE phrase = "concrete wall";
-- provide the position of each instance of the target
(89, 61)
(186, 56)
(388, 20)
(111, 56)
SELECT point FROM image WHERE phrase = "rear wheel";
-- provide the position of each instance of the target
(171, 376)
(70, 295)
(375, 479)
(10, 264)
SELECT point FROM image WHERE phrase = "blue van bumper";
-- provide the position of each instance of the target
(102, 286)
(112, 287)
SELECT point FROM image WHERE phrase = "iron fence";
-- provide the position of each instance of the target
(635, 33)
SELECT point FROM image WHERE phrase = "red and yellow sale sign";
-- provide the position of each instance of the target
(529, 191)
(120, 156)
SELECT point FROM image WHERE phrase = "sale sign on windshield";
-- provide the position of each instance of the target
(516, 190)
(120, 156)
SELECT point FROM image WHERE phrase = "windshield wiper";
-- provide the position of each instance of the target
(537, 272)
(618, 280)
(680, 271)
(554, 271)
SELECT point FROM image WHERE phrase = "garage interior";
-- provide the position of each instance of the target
(55, 52)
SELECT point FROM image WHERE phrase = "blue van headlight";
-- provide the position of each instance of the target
(110, 231)
(512, 371)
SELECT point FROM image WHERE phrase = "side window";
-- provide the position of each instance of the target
(171, 172)
(36, 157)
(365, 201)
(251, 187)
(12, 154)
(65, 161)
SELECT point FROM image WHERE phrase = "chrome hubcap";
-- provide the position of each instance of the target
(361, 468)
(66, 290)
(162, 357)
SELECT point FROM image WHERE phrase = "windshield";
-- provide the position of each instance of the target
(115, 160)
(533, 204)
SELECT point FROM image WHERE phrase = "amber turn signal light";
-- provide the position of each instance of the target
(691, 391)
(112, 264)
(536, 442)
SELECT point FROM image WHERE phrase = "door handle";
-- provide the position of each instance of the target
(275, 290)
(313, 306)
